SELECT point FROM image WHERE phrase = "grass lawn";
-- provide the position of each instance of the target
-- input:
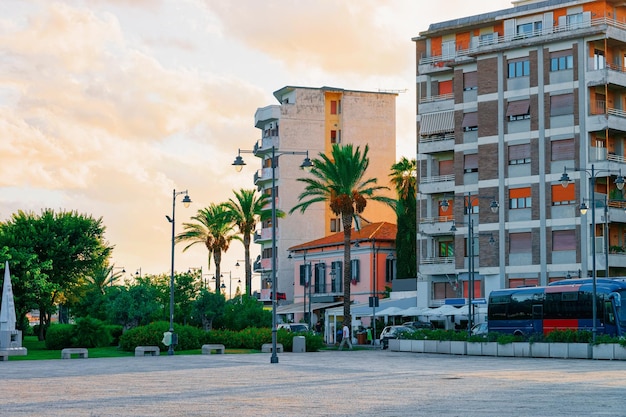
(37, 351)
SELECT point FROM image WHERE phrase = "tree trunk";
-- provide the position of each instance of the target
(217, 257)
(346, 219)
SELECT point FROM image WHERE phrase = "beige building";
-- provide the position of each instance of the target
(313, 119)
(509, 101)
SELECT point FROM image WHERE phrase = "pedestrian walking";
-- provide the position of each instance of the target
(345, 337)
(369, 336)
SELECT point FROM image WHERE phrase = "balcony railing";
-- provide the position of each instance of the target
(437, 178)
(438, 260)
(439, 97)
(436, 219)
(494, 40)
(429, 139)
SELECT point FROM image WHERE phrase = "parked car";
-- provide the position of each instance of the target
(419, 324)
(480, 329)
(393, 332)
(294, 327)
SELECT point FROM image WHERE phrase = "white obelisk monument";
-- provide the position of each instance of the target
(10, 338)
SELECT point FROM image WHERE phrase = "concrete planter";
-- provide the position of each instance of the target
(490, 348)
(417, 346)
(604, 351)
(540, 350)
(578, 351)
(405, 345)
(474, 348)
(521, 349)
(458, 348)
(443, 346)
(394, 345)
(558, 350)
(506, 350)
(619, 352)
(430, 346)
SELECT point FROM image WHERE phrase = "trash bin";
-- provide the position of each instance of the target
(299, 344)
(361, 338)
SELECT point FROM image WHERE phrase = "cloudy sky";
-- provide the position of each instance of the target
(106, 106)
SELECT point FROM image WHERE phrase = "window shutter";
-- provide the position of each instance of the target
(470, 119)
(562, 104)
(471, 161)
(563, 150)
(446, 167)
(519, 151)
(563, 194)
(518, 108)
(445, 87)
(356, 274)
(564, 240)
(470, 80)
(519, 192)
(520, 242)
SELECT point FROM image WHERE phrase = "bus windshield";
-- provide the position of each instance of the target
(621, 311)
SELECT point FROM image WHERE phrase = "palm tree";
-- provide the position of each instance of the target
(403, 177)
(212, 229)
(245, 211)
(339, 179)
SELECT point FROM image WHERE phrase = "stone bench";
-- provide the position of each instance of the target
(4, 355)
(267, 348)
(68, 352)
(150, 350)
(206, 349)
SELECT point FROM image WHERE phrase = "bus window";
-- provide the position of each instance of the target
(608, 309)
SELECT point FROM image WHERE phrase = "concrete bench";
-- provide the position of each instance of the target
(206, 349)
(150, 350)
(68, 352)
(267, 348)
(4, 355)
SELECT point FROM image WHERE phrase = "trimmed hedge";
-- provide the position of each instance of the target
(190, 338)
(87, 332)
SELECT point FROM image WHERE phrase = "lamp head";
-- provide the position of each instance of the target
(494, 206)
(619, 181)
(239, 163)
(564, 178)
(186, 200)
(453, 227)
(307, 165)
(444, 205)
(583, 208)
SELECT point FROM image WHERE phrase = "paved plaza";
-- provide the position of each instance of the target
(329, 383)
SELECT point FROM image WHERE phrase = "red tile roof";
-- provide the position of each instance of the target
(381, 231)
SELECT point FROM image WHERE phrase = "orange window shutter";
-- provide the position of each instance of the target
(563, 194)
(519, 192)
(445, 87)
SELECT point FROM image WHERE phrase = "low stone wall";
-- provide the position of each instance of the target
(611, 351)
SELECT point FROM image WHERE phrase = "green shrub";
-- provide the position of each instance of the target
(89, 332)
(115, 330)
(152, 335)
(59, 336)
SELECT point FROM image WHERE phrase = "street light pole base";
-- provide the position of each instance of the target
(274, 359)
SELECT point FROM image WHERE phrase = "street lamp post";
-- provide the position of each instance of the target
(113, 274)
(468, 204)
(619, 183)
(306, 165)
(172, 220)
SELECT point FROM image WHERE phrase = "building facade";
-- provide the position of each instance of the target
(313, 119)
(508, 102)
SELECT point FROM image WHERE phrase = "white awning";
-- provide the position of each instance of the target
(299, 307)
(440, 122)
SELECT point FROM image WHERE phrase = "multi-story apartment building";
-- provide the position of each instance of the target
(508, 102)
(313, 119)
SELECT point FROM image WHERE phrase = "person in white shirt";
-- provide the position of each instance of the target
(345, 338)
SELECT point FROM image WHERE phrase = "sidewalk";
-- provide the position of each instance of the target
(331, 383)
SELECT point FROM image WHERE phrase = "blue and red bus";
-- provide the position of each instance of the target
(562, 305)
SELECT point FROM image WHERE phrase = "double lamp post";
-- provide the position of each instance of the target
(306, 165)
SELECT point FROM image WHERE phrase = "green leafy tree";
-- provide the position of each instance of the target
(403, 177)
(211, 228)
(339, 180)
(53, 252)
(134, 306)
(207, 307)
(243, 312)
(246, 210)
